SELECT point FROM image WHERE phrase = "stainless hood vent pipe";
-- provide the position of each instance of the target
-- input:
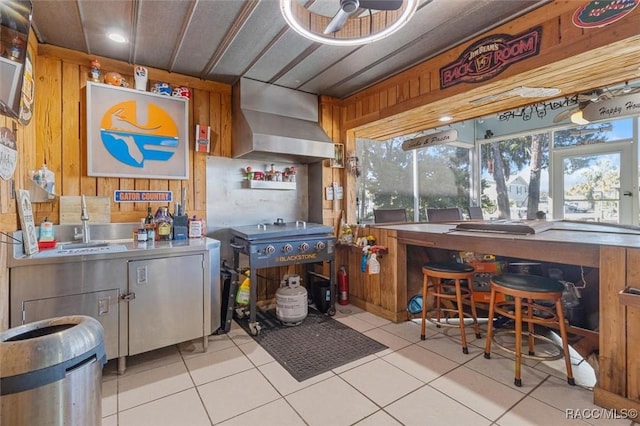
(277, 124)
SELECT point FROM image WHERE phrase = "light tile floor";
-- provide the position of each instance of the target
(413, 382)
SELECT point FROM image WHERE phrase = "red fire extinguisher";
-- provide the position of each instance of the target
(343, 286)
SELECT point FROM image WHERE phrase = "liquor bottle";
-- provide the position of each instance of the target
(164, 224)
(149, 219)
(150, 225)
(142, 235)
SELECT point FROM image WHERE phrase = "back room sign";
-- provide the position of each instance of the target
(490, 56)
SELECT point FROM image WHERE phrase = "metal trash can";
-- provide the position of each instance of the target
(51, 372)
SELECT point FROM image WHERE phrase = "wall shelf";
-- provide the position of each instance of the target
(266, 184)
(38, 194)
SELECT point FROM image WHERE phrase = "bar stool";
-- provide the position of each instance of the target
(443, 290)
(532, 288)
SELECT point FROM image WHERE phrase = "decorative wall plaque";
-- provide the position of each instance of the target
(137, 134)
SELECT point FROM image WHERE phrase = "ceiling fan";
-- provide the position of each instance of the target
(595, 96)
(350, 7)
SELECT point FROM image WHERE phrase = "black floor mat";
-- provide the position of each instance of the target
(318, 344)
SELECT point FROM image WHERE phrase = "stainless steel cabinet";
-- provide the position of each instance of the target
(91, 288)
(101, 305)
(143, 303)
(169, 302)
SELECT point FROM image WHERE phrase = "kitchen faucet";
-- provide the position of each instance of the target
(84, 217)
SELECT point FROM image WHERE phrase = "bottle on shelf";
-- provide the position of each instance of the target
(164, 224)
(150, 225)
(196, 227)
(142, 235)
(149, 218)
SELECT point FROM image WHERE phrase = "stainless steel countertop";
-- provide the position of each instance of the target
(127, 249)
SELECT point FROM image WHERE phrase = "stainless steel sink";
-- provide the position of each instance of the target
(69, 246)
(75, 249)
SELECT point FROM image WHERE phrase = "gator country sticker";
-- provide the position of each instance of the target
(596, 14)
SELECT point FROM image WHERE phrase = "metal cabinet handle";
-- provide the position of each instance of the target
(128, 297)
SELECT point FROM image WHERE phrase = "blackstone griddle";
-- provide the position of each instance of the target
(281, 244)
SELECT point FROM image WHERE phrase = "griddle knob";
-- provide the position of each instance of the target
(269, 249)
(303, 247)
(320, 245)
(287, 248)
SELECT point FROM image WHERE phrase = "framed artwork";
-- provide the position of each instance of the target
(136, 134)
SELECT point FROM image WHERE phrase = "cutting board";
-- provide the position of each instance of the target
(99, 209)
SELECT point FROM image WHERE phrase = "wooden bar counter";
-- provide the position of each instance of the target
(612, 252)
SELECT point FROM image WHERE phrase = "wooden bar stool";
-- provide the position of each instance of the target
(443, 290)
(531, 288)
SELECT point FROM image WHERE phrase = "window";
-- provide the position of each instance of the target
(436, 176)
(596, 133)
(514, 177)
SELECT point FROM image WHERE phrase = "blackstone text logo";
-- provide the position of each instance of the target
(601, 13)
(296, 257)
(490, 56)
(133, 142)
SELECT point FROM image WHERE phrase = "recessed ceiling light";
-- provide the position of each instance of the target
(445, 118)
(117, 37)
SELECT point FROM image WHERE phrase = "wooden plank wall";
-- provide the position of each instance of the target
(57, 135)
(9, 222)
(619, 366)
(613, 336)
(61, 77)
(377, 293)
(632, 321)
(570, 58)
(331, 122)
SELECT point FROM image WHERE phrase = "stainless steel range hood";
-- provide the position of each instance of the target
(277, 124)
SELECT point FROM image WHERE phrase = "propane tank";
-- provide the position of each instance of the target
(343, 286)
(291, 301)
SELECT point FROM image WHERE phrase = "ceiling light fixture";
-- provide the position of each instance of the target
(445, 118)
(117, 37)
(311, 25)
(577, 118)
(626, 88)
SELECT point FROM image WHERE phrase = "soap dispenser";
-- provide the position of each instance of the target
(46, 230)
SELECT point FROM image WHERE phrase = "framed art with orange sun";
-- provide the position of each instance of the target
(136, 134)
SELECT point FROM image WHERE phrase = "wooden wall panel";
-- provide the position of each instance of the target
(612, 320)
(59, 127)
(403, 99)
(571, 59)
(632, 328)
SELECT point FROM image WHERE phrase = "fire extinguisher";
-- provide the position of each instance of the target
(343, 286)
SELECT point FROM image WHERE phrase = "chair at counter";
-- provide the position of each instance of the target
(444, 215)
(475, 213)
(389, 215)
